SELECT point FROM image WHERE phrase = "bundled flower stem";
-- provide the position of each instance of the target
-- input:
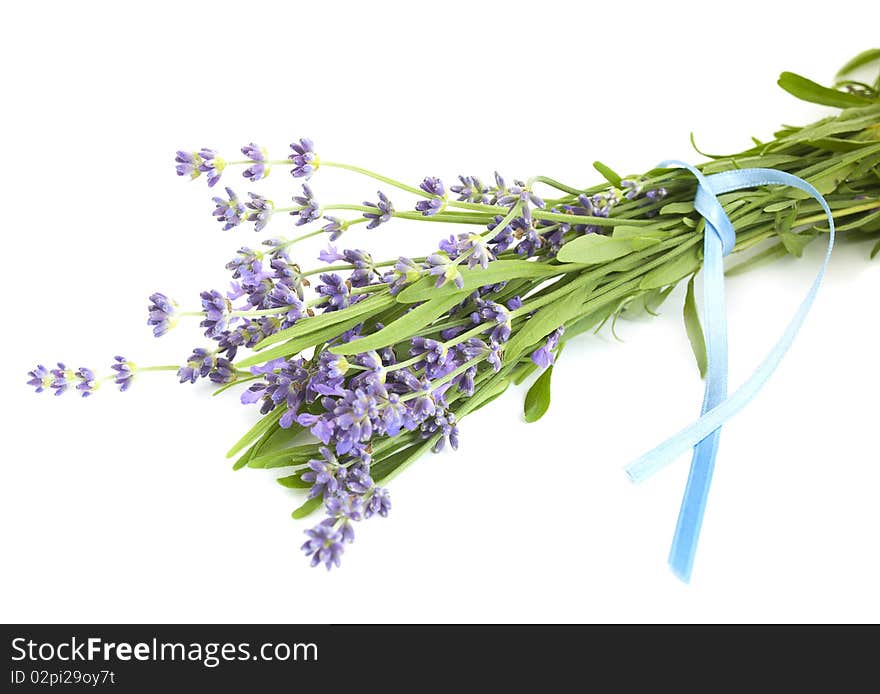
(355, 377)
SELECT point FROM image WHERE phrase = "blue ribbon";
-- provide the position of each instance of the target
(703, 434)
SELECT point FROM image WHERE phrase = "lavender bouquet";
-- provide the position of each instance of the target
(359, 366)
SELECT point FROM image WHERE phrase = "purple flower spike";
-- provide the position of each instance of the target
(322, 474)
(432, 186)
(40, 378)
(86, 381)
(198, 365)
(379, 502)
(334, 227)
(211, 165)
(260, 211)
(162, 314)
(632, 187)
(62, 378)
(260, 168)
(335, 289)
(305, 161)
(324, 546)
(228, 212)
(544, 356)
(656, 194)
(216, 308)
(444, 269)
(470, 190)
(187, 164)
(309, 210)
(124, 372)
(384, 211)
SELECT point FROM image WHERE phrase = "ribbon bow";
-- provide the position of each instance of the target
(703, 434)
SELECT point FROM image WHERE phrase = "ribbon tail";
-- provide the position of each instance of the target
(693, 506)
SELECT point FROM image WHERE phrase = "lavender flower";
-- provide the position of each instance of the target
(544, 356)
(124, 372)
(656, 194)
(378, 502)
(324, 545)
(86, 381)
(434, 187)
(309, 209)
(489, 311)
(211, 165)
(444, 269)
(40, 378)
(228, 212)
(632, 187)
(305, 161)
(435, 353)
(62, 378)
(322, 474)
(384, 211)
(187, 164)
(518, 192)
(470, 190)
(260, 168)
(405, 273)
(162, 312)
(194, 164)
(344, 509)
(336, 291)
(198, 365)
(216, 308)
(334, 227)
(260, 211)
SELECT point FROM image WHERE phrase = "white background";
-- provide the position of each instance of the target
(122, 507)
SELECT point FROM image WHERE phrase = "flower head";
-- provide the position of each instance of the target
(86, 382)
(544, 356)
(260, 210)
(194, 164)
(384, 211)
(40, 378)
(305, 161)
(260, 168)
(162, 312)
(228, 212)
(124, 372)
(211, 165)
(309, 209)
(216, 308)
(434, 187)
(324, 545)
(471, 189)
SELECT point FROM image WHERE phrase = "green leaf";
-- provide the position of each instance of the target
(626, 232)
(608, 173)
(538, 398)
(545, 321)
(243, 459)
(257, 430)
(807, 90)
(497, 271)
(673, 271)
(370, 305)
(298, 344)
(293, 482)
(595, 248)
(308, 507)
(863, 58)
(406, 326)
(774, 252)
(683, 208)
(795, 243)
(694, 329)
(875, 250)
